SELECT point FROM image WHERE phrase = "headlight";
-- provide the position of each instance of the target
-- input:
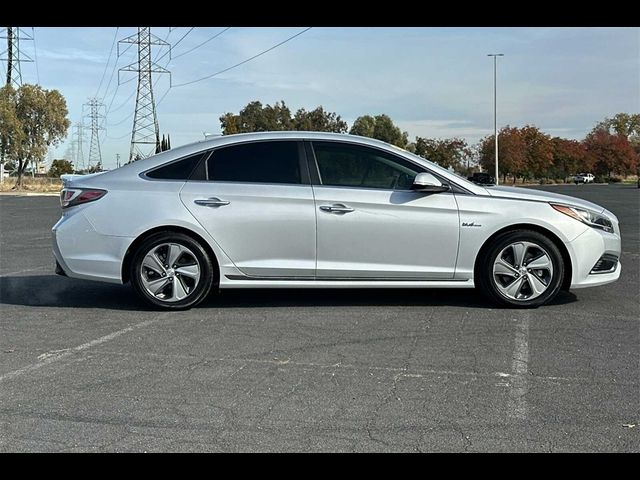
(593, 219)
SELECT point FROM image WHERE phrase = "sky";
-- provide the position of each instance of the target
(433, 82)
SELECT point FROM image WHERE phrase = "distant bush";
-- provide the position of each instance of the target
(613, 179)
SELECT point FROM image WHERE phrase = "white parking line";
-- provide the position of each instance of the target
(36, 269)
(517, 407)
(57, 355)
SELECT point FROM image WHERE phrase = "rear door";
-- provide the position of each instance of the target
(257, 204)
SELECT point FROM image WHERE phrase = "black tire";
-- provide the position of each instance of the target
(484, 276)
(198, 291)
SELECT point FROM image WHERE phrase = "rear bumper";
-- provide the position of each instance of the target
(81, 252)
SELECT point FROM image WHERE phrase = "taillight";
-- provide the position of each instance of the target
(70, 197)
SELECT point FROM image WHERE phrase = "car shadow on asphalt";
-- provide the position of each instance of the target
(62, 292)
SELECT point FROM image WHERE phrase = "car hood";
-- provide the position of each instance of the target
(520, 193)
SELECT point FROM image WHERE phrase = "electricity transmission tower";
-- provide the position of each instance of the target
(13, 55)
(95, 116)
(145, 136)
(78, 137)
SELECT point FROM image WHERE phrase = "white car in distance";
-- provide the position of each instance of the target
(318, 210)
(583, 178)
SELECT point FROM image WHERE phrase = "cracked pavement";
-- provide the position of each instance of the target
(84, 367)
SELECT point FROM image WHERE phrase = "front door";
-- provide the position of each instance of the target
(372, 226)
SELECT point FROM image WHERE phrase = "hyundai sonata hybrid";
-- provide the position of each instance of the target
(314, 210)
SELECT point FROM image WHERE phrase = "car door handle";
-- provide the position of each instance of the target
(211, 202)
(336, 208)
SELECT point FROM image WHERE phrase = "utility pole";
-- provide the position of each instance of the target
(13, 55)
(117, 160)
(145, 135)
(495, 106)
(95, 156)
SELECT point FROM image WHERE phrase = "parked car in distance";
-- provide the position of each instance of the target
(323, 210)
(583, 178)
(482, 178)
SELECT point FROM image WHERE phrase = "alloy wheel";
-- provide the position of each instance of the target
(170, 272)
(522, 271)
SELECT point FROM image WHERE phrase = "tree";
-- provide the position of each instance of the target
(97, 167)
(612, 153)
(318, 120)
(380, 127)
(626, 124)
(538, 152)
(60, 167)
(31, 120)
(10, 132)
(364, 126)
(256, 118)
(447, 152)
(164, 145)
(569, 158)
(511, 153)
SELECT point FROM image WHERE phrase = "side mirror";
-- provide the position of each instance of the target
(427, 183)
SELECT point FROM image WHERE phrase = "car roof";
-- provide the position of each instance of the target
(222, 140)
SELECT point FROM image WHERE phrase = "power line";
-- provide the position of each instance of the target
(104, 72)
(115, 65)
(245, 61)
(35, 54)
(198, 46)
(174, 45)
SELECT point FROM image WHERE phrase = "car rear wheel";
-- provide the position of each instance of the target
(171, 271)
(522, 269)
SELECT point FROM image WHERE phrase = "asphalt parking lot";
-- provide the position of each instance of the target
(85, 367)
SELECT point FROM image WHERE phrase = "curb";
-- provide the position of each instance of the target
(29, 194)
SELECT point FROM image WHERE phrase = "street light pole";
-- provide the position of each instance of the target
(495, 106)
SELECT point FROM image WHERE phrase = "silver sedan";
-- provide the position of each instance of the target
(316, 210)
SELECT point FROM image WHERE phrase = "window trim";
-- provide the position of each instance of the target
(317, 180)
(302, 163)
(205, 156)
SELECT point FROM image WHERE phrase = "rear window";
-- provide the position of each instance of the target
(259, 162)
(178, 170)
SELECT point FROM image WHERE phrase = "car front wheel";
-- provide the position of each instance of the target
(171, 271)
(522, 269)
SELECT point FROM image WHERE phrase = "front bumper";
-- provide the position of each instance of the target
(586, 250)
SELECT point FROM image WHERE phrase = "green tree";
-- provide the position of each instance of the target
(256, 118)
(11, 133)
(380, 127)
(447, 152)
(318, 120)
(364, 126)
(31, 120)
(60, 167)
(538, 152)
